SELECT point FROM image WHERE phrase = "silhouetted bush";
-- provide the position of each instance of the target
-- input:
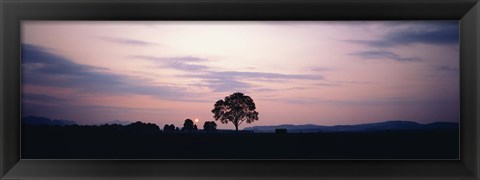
(169, 128)
(188, 125)
(209, 126)
(142, 128)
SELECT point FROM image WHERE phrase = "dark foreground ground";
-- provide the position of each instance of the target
(50, 142)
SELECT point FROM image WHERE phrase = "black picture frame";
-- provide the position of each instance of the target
(12, 12)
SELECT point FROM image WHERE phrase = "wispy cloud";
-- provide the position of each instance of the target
(127, 41)
(319, 69)
(179, 58)
(235, 80)
(43, 99)
(437, 33)
(36, 105)
(44, 68)
(383, 54)
(183, 63)
(424, 32)
(402, 101)
(221, 81)
(354, 82)
(327, 84)
(446, 68)
(185, 66)
(265, 75)
(221, 84)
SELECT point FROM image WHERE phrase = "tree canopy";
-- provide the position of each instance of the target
(236, 108)
(209, 126)
(188, 125)
(169, 128)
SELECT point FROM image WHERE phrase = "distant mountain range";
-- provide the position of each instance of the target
(34, 120)
(380, 126)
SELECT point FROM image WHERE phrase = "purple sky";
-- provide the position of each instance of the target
(301, 72)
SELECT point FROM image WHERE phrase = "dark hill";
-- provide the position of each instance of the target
(380, 126)
(34, 120)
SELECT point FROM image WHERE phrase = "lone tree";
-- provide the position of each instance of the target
(236, 108)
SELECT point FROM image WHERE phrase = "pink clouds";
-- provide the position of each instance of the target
(297, 72)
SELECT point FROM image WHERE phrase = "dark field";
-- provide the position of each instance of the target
(56, 142)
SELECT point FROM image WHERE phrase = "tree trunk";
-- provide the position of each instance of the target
(235, 122)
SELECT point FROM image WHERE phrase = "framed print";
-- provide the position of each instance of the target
(240, 90)
(201, 89)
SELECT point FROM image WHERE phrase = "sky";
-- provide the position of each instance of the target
(297, 72)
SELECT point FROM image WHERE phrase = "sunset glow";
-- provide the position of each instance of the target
(302, 72)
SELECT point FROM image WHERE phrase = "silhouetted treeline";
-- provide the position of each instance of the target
(137, 128)
(190, 127)
(147, 141)
(127, 142)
